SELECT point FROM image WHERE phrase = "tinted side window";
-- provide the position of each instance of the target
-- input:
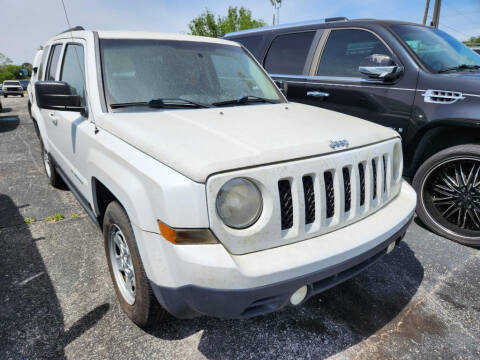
(250, 42)
(73, 69)
(288, 53)
(52, 65)
(346, 49)
(43, 62)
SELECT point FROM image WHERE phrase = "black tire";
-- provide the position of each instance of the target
(448, 189)
(145, 311)
(5, 96)
(22, 95)
(53, 178)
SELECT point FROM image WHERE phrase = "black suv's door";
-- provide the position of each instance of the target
(288, 60)
(335, 82)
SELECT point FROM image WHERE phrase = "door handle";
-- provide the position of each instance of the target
(318, 94)
(53, 119)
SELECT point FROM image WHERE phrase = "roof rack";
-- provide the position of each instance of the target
(339, 18)
(75, 28)
(281, 26)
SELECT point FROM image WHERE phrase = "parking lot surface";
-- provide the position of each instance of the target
(57, 301)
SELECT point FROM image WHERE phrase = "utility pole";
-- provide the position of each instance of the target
(276, 6)
(425, 13)
(436, 14)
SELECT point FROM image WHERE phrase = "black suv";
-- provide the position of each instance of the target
(418, 80)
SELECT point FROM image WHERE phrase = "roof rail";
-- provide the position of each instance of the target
(339, 18)
(75, 28)
(288, 25)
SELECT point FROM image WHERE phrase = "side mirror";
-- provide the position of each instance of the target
(57, 95)
(283, 86)
(35, 69)
(382, 67)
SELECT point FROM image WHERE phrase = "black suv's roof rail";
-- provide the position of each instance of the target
(282, 26)
(339, 18)
(75, 28)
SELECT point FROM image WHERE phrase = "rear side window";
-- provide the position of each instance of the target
(288, 53)
(52, 64)
(250, 42)
(42, 63)
(73, 70)
(346, 49)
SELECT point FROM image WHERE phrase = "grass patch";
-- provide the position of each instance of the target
(74, 216)
(29, 220)
(55, 217)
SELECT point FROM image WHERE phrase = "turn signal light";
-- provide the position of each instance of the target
(186, 236)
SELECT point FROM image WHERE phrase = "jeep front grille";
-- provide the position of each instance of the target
(336, 191)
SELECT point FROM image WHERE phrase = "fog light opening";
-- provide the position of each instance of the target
(299, 295)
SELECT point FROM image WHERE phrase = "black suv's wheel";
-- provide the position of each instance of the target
(126, 269)
(52, 175)
(448, 188)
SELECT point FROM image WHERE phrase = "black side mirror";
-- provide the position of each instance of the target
(35, 69)
(382, 67)
(57, 95)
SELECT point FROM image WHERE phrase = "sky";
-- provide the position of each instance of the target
(27, 24)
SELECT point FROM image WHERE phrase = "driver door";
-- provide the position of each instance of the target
(335, 82)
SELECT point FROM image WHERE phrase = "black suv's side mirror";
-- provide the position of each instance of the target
(283, 86)
(57, 95)
(382, 67)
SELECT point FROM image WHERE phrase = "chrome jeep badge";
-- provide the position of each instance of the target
(339, 144)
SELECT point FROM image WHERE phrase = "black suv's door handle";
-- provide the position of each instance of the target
(318, 94)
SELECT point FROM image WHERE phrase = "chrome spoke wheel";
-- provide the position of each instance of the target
(451, 195)
(122, 265)
(46, 163)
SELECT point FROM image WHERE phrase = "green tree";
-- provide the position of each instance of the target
(237, 19)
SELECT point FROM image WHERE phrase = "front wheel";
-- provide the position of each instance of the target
(126, 269)
(448, 188)
(22, 95)
(53, 178)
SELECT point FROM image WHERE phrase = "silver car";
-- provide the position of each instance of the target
(12, 87)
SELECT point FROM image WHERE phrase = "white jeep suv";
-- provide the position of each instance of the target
(215, 195)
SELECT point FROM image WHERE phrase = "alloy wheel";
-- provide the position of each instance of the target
(451, 195)
(122, 265)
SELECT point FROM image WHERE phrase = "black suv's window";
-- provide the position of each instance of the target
(346, 49)
(73, 69)
(288, 53)
(42, 63)
(52, 65)
(250, 42)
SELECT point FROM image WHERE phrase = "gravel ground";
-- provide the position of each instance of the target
(57, 301)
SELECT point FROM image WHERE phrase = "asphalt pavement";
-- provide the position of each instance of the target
(56, 299)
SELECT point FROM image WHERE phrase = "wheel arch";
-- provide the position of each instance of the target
(441, 135)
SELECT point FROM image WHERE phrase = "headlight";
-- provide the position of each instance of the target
(239, 203)
(397, 161)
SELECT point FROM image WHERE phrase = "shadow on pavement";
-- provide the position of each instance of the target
(8, 123)
(325, 325)
(31, 318)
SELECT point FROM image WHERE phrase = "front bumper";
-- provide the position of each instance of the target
(190, 301)
(193, 280)
(12, 92)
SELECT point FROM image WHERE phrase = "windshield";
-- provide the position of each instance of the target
(11, 83)
(435, 48)
(142, 70)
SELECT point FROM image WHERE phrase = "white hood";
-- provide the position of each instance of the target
(201, 142)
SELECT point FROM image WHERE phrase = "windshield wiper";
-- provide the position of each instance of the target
(459, 67)
(245, 99)
(162, 103)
